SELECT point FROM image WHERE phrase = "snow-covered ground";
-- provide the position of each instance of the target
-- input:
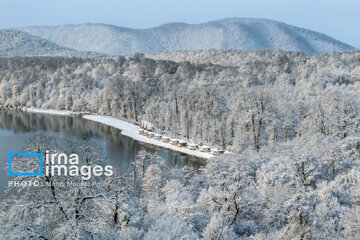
(131, 130)
(128, 129)
(50, 111)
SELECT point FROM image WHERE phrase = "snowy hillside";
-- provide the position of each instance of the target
(17, 43)
(291, 120)
(233, 33)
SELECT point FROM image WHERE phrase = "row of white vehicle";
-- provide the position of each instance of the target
(179, 142)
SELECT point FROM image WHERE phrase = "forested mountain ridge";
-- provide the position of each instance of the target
(17, 43)
(231, 33)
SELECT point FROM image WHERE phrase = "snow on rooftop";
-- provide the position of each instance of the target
(205, 147)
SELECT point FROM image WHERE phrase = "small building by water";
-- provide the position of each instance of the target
(193, 146)
(165, 139)
(205, 149)
(182, 143)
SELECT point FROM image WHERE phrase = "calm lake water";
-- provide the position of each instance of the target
(118, 150)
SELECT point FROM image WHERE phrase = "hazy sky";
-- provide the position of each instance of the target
(338, 18)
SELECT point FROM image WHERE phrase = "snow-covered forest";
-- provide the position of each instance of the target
(263, 97)
(292, 120)
(303, 189)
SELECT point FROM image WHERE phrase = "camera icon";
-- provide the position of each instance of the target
(40, 157)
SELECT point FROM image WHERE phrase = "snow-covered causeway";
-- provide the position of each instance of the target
(50, 111)
(128, 129)
(131, 130)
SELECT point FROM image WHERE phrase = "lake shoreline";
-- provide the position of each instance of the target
(127, 129)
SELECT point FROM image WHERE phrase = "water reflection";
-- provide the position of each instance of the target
(118, 150)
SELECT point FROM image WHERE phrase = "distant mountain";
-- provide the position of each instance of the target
(233, 33)
(17, 43)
